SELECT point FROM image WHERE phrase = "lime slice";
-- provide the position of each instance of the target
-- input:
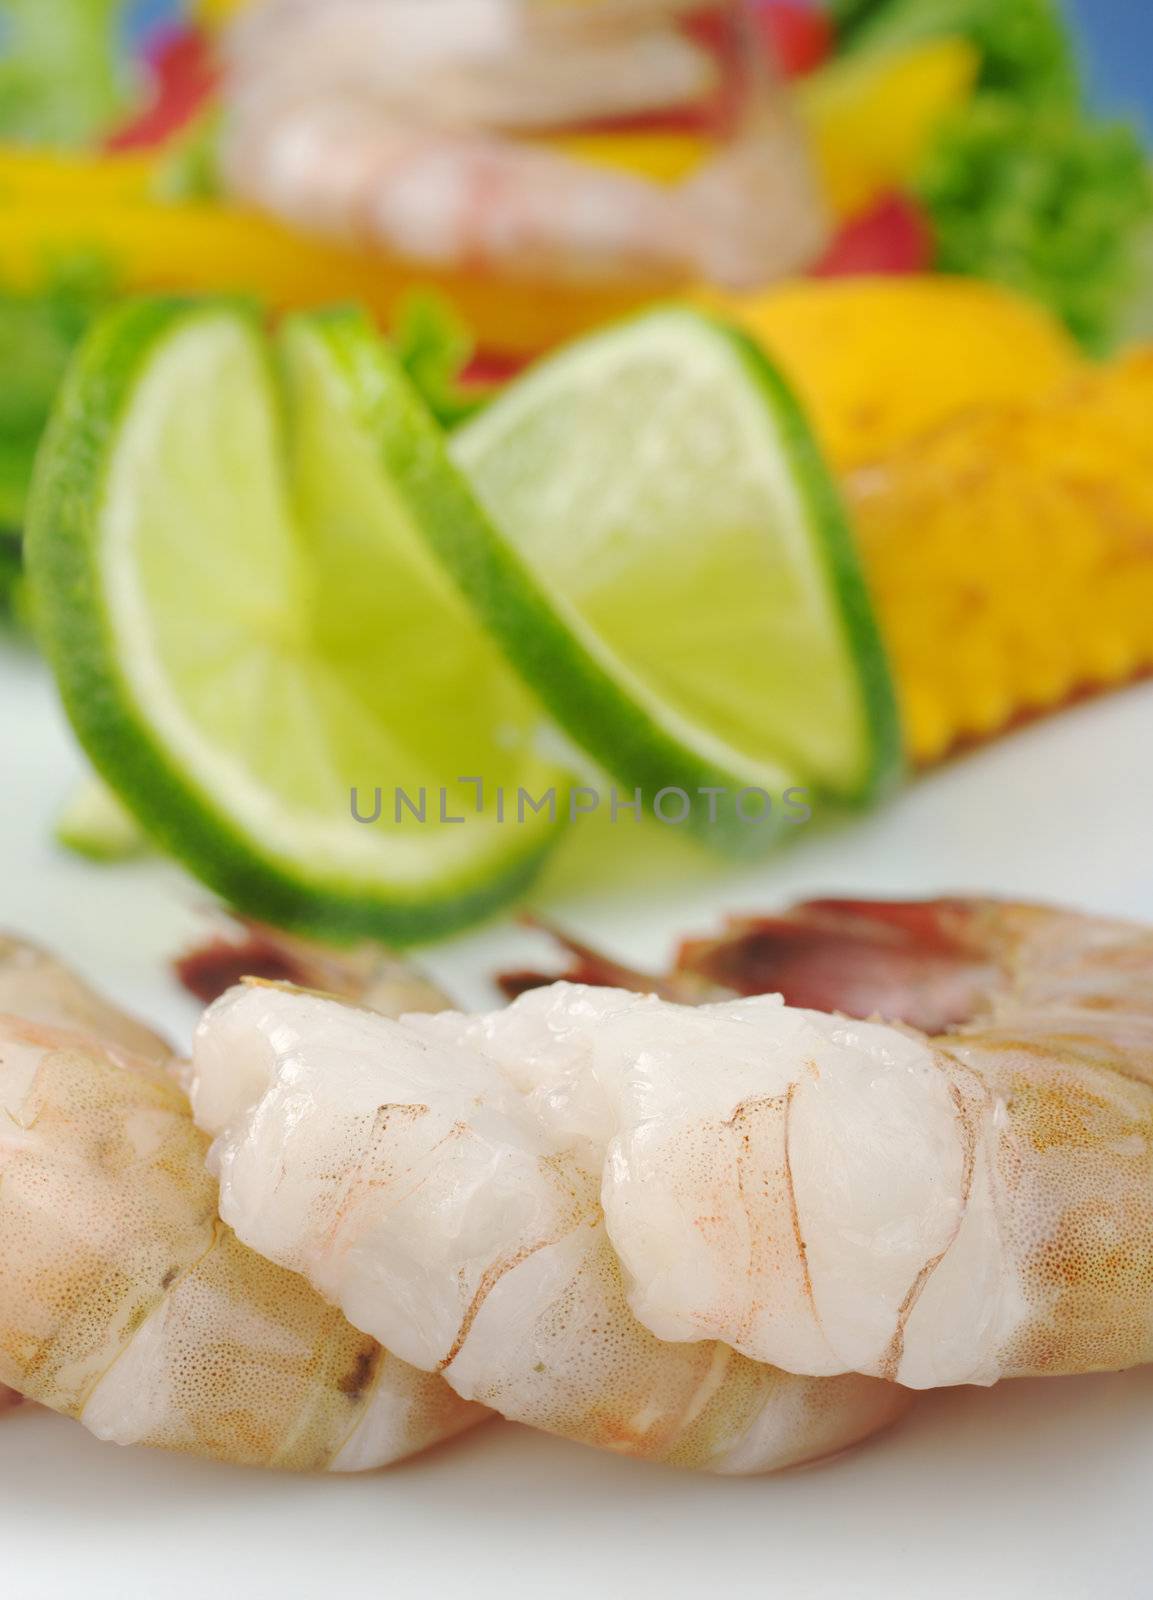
(231, 555)
(675, 576)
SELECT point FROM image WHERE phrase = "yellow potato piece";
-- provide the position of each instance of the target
(878, 361)
(193, 248)
(1010, 553)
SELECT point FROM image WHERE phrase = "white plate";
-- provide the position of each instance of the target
(1032, 1489)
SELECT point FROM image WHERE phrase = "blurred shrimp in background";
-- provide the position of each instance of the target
(580, 141)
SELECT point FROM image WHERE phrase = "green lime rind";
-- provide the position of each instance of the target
(79, 630)
(836, 548)
(590, 693)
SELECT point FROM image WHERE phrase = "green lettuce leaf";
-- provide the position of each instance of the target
(12, 592)
(435, 347)
(1026, 48)
(61, 75)
(1050, 202)
(1026, 186)
(38, 333)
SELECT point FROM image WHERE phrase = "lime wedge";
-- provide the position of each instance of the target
(230, 549)
(674, 575)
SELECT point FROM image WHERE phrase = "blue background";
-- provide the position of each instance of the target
(1118, 39)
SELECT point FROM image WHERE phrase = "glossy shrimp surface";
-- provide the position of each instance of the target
(126, 1302)
(440, 1180)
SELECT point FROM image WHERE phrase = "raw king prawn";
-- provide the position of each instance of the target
(822, 1195)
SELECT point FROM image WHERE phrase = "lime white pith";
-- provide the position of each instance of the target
(274, 631)
(690, 547)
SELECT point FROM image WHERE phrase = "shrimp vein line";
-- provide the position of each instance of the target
(583, 1215)
(489, 1280)
(892, 1357)
(794, 1211)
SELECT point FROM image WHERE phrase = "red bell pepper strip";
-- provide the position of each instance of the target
(184, 79)
(893, 238)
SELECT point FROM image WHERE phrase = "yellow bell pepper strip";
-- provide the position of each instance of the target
(878, 361)
(58, 205)
(873, 120)
(30, 176)
(666, 158)
(208, 248)
(1010, 554)
(215, 12)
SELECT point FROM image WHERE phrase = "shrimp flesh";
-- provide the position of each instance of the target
(517, 1199)
(126, 1303)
